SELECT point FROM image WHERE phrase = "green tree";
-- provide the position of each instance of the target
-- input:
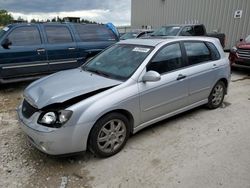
(53, 20)
(33, 20)
(5, 17)
(88, 22)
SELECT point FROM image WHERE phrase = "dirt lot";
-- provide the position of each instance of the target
(201, 148)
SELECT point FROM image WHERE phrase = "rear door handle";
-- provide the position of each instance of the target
(181, 77)
(71, 48)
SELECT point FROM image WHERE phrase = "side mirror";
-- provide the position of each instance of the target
(241, 40)
(151, 76)
(6, 43)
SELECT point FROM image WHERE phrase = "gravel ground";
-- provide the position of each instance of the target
(200, 148)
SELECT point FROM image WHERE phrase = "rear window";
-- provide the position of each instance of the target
(58, 34)
(197, 52)
(94, 33)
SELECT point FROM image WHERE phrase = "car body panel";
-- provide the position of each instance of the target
(164, 96)
(45, 94)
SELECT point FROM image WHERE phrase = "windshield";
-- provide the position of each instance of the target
(119, 61)
(248, 38)
(166, 31)
(128, 36)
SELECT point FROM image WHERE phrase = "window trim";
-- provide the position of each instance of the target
(58, 26)
(22, 26)
(182, 55)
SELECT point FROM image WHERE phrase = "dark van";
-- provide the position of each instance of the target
(28, 51)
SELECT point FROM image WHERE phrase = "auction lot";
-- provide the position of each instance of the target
(200, 148)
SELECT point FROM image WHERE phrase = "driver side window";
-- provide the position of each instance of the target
(167, 59)
(24, 36)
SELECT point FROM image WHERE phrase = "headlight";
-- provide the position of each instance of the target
(55, 119)
(49, 118)
(234, 49)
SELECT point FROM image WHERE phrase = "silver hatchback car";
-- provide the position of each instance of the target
(127, 87)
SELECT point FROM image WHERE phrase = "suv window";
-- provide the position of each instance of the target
(167, 59)
(24, 36)
(58, 34)
(94, 32)
(197, 52)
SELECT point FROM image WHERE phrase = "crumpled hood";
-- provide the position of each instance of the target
(65, 85)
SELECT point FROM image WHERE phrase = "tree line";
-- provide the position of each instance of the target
(6, 18)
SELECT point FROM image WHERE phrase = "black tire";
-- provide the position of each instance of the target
(219, 91)
(99, 132)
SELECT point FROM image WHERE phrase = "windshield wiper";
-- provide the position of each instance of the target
(96, 72)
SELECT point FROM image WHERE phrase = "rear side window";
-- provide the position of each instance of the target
(214, 51)
(25, 36)
(197, 52)
(58, 34)
(94, 33)
(199, 30)
(167, 59)
(188, 31)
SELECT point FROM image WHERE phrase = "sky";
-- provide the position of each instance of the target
(101, 11)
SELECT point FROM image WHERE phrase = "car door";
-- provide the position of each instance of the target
(25, 55)
(61, 47)
(201, 69)
(170, 93)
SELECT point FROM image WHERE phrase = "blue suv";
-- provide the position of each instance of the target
(28, 51)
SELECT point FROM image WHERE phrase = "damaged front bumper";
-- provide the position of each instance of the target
(52, 141)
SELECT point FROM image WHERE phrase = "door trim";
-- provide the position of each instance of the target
(25, 65)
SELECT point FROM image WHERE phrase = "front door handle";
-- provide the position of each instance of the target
(214, 66)
(181, 77)
(71, 48)
(40, 50)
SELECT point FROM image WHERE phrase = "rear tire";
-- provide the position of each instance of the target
(109, 135)
(217, 95)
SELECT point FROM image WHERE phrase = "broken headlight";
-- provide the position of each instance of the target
(54, 118)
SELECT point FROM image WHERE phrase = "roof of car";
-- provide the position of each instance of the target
(146, 42)
(155, 41)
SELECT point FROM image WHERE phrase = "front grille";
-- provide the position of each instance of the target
(28, 110)
(243, 53)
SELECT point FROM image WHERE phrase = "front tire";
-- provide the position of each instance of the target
(217, 95)
(109, 135)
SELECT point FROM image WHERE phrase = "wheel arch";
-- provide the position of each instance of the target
(126, 113)
(225, 81)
